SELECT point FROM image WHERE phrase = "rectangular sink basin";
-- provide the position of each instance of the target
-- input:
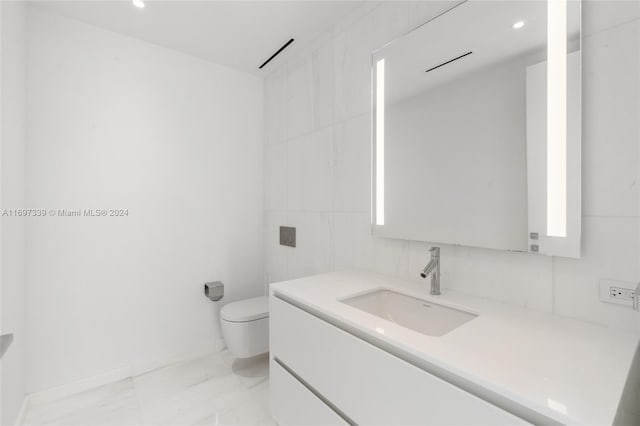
(416, 314)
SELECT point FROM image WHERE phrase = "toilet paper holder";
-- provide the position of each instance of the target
(214, 290)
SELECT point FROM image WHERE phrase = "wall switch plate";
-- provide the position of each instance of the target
(287, 236)
(618, 292)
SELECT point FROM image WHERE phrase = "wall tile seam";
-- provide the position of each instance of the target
(553, 285)
(334, 123)
(414, 26)
(326, 35)
(307, 48)
(306, 51)
(358, 212)
(354, 115)
(305, 211)
(339, 29)
(603, 216)
(586, 35)
(351, 19)
(268, 209)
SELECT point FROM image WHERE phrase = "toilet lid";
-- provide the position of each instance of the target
(246, 310)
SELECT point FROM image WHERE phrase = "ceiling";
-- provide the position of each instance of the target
(239, 34)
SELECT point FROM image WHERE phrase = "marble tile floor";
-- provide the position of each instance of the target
(211, 390)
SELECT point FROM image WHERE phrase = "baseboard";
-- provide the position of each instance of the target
(121, 373)
(23, 410)
(57, 392)
(139, 368)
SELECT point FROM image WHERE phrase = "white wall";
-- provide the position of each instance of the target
(12, 149)
(317, 137)
(115, 122)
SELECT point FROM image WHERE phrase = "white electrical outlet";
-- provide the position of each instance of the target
(618, 292)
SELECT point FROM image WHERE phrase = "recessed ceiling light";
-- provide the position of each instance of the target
(516, 26)
(138, 3)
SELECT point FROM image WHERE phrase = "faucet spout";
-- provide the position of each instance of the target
(433, 268)
(429, 268)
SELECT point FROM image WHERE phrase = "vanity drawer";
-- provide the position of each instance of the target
(367, 384)
(293, 404)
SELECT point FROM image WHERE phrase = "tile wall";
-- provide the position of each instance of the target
(317, 136)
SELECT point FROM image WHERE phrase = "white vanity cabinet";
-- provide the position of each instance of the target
(320, 374)
(294, 404)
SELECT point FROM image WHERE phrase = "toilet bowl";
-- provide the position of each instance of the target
(245, 326)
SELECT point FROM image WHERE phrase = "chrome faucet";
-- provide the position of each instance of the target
(433, 268)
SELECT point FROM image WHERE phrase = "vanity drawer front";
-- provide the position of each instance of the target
(367, 384)
(293, 404)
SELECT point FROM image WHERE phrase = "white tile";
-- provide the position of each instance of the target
(387, 22)
(419, 256)
(611, 99)
(519, 278)
(352, 52)
(391, 257)
(275, 180)
(195, 391)
(253, 411)
(425, 10)
(598, 15)
(215, 389)
(357, 13)
(275, 94)
(309, 169)
(313, 253)
(322, 81)
(275, 254)
(352, 172)
(169, 381)
(299, 97)
(611, 249)
(353, 241)
(191, 405)
(112, 404)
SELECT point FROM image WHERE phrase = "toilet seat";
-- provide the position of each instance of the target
(246, 310)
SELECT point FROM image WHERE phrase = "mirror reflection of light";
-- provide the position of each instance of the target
(138, 3)
(518, 25)
(557, 118)
(380, 142)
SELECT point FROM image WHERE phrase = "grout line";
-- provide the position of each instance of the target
(286, 211)
(613, 27)
(587, 216)
(367, 211)
(317, 130)
(553, 284)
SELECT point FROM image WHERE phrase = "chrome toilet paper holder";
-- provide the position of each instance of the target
(214, 290)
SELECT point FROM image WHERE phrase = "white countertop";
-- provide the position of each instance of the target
(568, 370)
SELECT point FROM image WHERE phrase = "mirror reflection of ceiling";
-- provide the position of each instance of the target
(485, 28)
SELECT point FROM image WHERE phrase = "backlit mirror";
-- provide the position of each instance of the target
(476, 119)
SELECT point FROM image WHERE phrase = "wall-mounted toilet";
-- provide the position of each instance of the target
(245, 326)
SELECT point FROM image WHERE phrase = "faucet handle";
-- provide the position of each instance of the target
(435, 251)
(636, 298)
